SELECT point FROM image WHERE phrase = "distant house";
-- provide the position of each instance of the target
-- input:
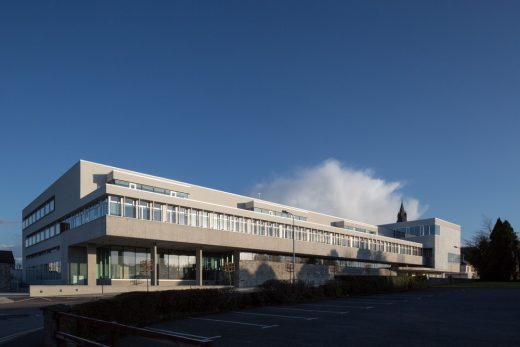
(6, 266)
(466, 269)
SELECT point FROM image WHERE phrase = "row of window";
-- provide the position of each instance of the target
(135, 263)
(151, 189)
(362, 230)
(419, 230)
(86, 215)
(39, 213)
(42, 235)
(279, 214)
(307, 260)
(147, 210)
(44, 272)
(44, 252)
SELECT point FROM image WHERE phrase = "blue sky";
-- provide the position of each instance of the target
(235, 94)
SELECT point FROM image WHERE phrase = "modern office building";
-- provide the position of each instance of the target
(99, 224)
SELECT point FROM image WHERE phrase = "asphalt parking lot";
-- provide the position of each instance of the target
(433, 317)
(21, 317)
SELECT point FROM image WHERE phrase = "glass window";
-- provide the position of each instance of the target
(173, 266)
(121, 183)
(114, 205)
(183, 218)
(128, 263)
(116, 263)
(159, 190)
(147, 188)
(205, 219)
(163, 265)
(142, 263)
(130, 208)
(170, 214)
(144, 210)
(157, 212)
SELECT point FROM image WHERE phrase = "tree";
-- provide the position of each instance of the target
(495, 254)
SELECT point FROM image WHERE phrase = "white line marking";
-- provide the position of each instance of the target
(16, 301)
(363, 302)
(186, 334)
(276, 315)
(302, 309)
(21, 333)
(41, 297)
(342, 306)
(234, 322)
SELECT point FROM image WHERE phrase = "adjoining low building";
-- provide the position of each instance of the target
(99, 224)
(6, 267)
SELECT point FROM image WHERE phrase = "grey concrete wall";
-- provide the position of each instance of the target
(68, 290)
(253, 273)
(447, 242)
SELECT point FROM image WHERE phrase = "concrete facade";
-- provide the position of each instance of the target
(99, 224)
(444, 243)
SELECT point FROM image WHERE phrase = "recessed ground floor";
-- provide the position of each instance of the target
(173, 265)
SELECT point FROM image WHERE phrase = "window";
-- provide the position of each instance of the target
(183, 218)
(171, 216)
(157, 212)
(130, 208)
(114, 205)
(39, 213)
(193, 218)
(205, 219)
(144, 210)
(148, 188)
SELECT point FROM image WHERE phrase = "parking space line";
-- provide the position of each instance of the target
(308, 310)
(16, 301)
(4, 339)
(407, 297)
(364, 302)
(343, 306)
(277, 315)
(263, 326)
(186, 334)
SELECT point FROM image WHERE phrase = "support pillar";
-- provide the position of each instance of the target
(198, 266)
(91, 264)
(153, 273)
(236, 274)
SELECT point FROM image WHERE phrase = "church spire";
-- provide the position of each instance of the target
(401, 216)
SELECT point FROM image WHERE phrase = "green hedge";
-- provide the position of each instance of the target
(140, 308)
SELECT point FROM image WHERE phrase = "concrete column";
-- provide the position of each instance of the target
(198, 266)
(65, 272)
(236, 274)
(153, 274)
(91, 264)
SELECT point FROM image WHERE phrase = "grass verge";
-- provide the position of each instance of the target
(480, 284)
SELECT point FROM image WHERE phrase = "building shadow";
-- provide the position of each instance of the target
(252, 275)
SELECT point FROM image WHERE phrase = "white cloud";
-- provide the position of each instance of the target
(337, 190)
(7, 221)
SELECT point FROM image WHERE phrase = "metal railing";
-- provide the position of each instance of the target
(115, 332)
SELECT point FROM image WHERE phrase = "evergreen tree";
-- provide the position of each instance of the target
(496, 256)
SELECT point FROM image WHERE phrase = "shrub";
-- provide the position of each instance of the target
(141, 308)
